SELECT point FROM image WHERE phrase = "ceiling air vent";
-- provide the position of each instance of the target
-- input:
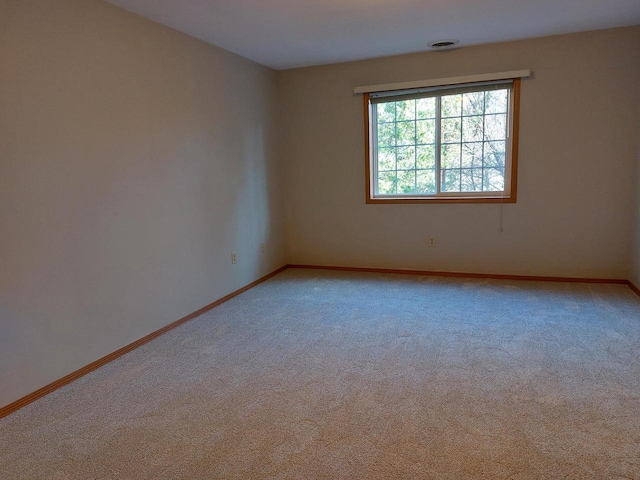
(444, 44)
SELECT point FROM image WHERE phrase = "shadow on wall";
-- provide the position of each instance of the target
(253, 216)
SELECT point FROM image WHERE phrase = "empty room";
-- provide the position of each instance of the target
(319, 240)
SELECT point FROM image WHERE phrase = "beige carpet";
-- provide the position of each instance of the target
(326, 375)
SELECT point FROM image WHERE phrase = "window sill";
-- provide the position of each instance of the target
(452, 199)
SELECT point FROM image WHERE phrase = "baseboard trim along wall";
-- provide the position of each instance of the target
(12, 407)
(467, 275)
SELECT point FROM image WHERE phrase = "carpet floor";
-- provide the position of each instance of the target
(339, 375)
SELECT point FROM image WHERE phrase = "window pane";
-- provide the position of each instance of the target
(387, 158)
(462, 147)
(406, 110)
(473, 103)
(495, 127)
(451, 180)
(406, 133)
(496, 101)
(426, 157)
(472, 154)
(387, 183)
(426, 108)
(386, 134)
(406, 157)
(472, 129)
(426, 181)
(451, 106)
(450, 156)
(494, 154)
(471, 180)
(493, 179)
(425, 131)
(386, 112)
(407, 181)
(451, 129)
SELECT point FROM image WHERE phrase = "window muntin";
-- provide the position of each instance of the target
(443, 143)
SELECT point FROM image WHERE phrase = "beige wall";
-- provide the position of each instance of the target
(577, 157)
(634, 275)
(134, 159)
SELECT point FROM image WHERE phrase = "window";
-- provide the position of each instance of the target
(443, 144)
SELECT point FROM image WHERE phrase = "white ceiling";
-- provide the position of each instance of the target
(293, 33)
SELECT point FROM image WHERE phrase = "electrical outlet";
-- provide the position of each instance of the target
(233, 258)
(432, 241)
(262, 248)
